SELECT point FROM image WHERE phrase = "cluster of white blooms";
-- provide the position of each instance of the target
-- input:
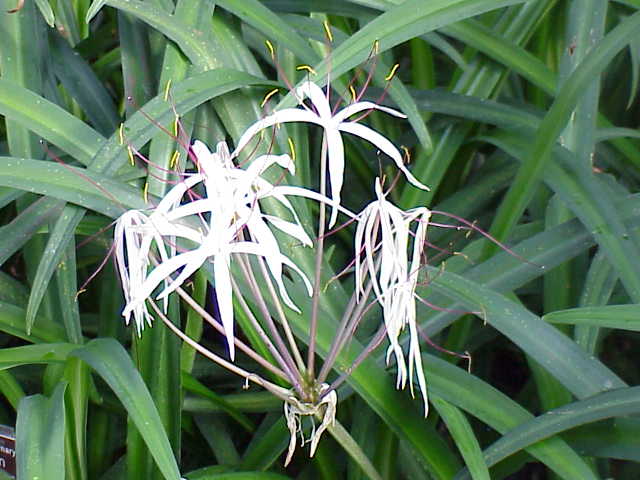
(216, 224)
(189, 231)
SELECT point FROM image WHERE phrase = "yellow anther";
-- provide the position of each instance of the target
(130, 154)
(268, 96)
(174, 159)
(354, 95)
(145, 192)
(376, 47)
(463, 255)
(292, 149)
(176, 125)
(407, 154)
(307, 68)
(166, 90)
(80, 292)
(327, 30)
(272, 50)
(392, 72)
(121, 134)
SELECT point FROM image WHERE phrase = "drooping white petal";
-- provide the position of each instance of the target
(293, 229)
(303, 192)
(383, 144)
(295, 409)
(293, 424)
(224, 296)
(258, 166)
(335, 164)
(330, 402)
(131, 262)
(394, 279)
(256, 249)
(161, 273)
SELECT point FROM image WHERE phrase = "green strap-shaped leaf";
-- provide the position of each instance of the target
(84, 86)
(26, 224)
(582, 374)
(83, 187)
(38, 353)
(410, 19)
(63, 232)
(196, 47)
(12, 321)
(260, 17)
(11, 389)
(111, 361)
(463, 435)
(501, 413)
(481, 78)
(504, 272)
(591, 202)
(624, 317)
(618, 403)
(185, 96)
(539, 155)
(47, 119)
(40, 436)
(617, 438)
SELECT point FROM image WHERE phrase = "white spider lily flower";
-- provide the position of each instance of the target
(294, 410)
(231, 205)
(132, 259)
(134, 235)
(247, 188)
(332, 125)
(393, 278)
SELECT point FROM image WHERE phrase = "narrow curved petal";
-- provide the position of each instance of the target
(335, 154)
(281, 116)
(160, 273)
(293, 229)
(383, 145)
(255, 249)
(173, 196)
(330, 402)
(317, 96)
(303, 192)
(260, 164)
(358, 107)
(224, 295)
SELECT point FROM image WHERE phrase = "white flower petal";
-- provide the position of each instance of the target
(335, 164)
(395, 280)
(317, 96)
(330, 402)
(384, 145)
(162, 272)
(224, 295)
(303, 192)
(258, 166)
(293, 229)
(357, 107)
(281, 116)
(294, 409)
